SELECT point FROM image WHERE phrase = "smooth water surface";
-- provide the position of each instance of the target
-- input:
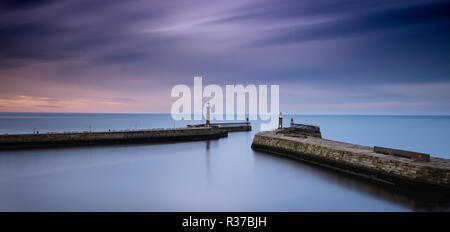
(217, 175)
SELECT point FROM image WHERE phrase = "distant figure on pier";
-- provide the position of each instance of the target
(280, 121)
(292, 122)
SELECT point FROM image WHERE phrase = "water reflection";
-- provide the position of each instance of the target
(409, 198)
(208, 162)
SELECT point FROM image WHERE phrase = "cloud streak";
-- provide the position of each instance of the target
(437, 14)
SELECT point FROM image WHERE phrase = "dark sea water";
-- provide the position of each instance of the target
(218, 175)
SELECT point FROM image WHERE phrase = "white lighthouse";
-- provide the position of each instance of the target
(208, 115)
(280, 121)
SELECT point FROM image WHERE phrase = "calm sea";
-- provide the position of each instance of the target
(219, 175)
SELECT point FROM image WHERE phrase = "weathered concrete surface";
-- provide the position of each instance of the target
(228, 126)
(357, 159)
(417, 156)
(302, 129)
(114, 137)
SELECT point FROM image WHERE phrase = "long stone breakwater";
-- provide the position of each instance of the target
(24, 141)
(408, 169)
(228, 126)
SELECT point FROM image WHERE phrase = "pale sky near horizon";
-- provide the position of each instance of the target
(328, 56)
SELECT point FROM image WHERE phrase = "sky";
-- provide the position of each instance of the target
(327, 56)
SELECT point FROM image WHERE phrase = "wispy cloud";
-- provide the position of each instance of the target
(41, 104)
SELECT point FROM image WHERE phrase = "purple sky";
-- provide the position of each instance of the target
(328, 56)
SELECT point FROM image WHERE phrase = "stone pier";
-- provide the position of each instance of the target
(21, 141)
(359, 160)
(227, 126)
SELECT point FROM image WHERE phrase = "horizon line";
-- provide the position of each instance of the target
(305, 114)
